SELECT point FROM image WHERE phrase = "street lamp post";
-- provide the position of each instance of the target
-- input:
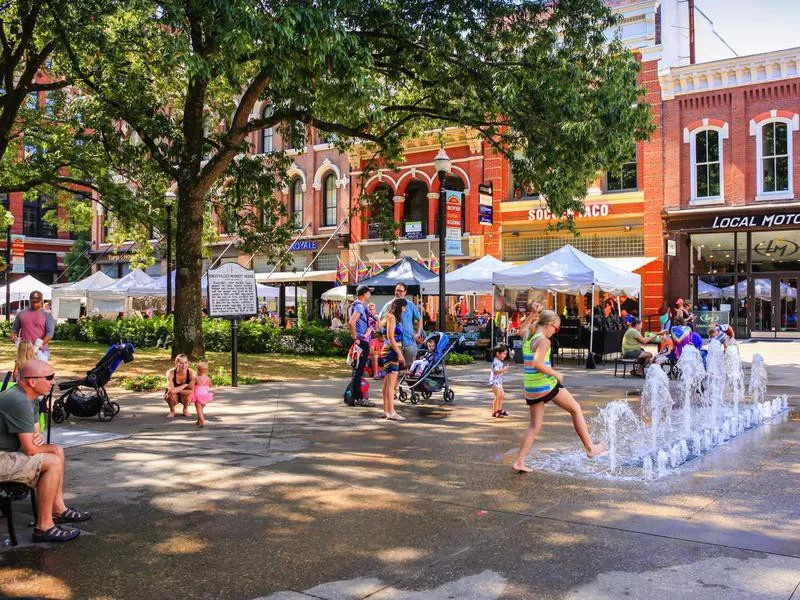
(442, 164)
(8, 267)
(169, 201)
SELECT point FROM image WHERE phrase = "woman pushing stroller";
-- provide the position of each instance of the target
(543, 384)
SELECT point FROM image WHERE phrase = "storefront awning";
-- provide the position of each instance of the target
(629, 263)
(295, 277)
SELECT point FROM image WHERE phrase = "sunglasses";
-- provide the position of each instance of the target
(50, 377)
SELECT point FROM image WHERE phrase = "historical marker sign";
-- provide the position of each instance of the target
(232, 292)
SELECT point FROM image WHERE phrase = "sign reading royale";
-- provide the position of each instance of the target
(301, 245)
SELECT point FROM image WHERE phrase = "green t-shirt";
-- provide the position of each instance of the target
(632, 340)
(18, 414)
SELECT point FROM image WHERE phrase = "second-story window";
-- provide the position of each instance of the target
(707, 165)
(33, 224)
(775, 158)
(625, 178)
(266, 133)
(296, 201)
(297, 137)
(329, 201)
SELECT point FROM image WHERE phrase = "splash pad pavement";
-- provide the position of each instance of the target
(677, 421)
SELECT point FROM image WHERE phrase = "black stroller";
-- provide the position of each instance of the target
(87, 397)
(433, 378)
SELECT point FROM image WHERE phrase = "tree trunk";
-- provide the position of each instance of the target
(188, 330)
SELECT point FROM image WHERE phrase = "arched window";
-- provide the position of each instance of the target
(296, 200)
(329, 200)
(266, 133)
(415, 210)
(382, 191)
(707, 167)
(774, 167)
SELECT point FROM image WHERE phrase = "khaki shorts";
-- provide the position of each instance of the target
(19, 467)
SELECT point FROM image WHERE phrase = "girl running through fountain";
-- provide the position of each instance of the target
(543, 384)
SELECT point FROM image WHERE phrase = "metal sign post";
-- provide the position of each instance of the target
(232, 295)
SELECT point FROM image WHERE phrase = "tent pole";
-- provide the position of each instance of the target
(491, 327)
(590, 355)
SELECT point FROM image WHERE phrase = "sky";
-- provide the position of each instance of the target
(774, 27)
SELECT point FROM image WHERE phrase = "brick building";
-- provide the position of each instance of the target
(413, 190)
(731, 209)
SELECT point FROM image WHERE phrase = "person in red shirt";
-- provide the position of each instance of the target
(35, 325)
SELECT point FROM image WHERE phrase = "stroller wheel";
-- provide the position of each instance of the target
(449, 395)
(115, 406)
(426, 395)
(402, 395)
(59, 414)
(106, 412)
(414, 398)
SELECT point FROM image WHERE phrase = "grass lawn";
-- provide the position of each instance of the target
(72, 359)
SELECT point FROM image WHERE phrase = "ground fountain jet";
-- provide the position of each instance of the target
(705, 408)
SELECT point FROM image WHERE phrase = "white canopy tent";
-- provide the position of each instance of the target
(570, 271)
(474, 278)
(22, 288)
(69, 298)
(158, 288)
(113, 297)
(337, 294)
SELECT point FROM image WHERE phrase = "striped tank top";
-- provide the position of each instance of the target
(537, 384)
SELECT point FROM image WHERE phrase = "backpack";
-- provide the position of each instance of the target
(348, 393)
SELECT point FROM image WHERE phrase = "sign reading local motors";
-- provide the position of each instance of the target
(777, 219)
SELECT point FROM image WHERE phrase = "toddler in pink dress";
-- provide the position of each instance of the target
(202, 392)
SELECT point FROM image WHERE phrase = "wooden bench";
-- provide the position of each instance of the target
(10, 491)
(624, 362)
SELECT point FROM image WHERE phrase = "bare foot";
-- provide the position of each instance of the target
(186, 413)
(521, 468)
(597, 450)
(171, 415)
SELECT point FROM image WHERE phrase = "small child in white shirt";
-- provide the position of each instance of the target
(500, 353)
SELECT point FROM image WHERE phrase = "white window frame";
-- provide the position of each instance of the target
(294, 187)
(757, 130)
(691, 139)
(330, 176)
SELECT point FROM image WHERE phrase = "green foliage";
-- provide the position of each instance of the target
(222, 377)
(5, 328)
(454, 358)
(255, 337)
(144, 383)
(77, 260)
(538, 81)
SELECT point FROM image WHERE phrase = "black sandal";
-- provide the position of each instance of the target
(55, 534)
(71, 516)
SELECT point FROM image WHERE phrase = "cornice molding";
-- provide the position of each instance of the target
(731, 72)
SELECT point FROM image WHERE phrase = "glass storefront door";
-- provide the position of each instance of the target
(787, 305)
(774, 312)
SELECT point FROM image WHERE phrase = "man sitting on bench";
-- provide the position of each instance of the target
(25, 458)
(632, 346)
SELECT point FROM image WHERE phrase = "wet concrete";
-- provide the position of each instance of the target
(288, 494)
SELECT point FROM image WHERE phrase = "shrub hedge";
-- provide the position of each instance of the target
(255, 337)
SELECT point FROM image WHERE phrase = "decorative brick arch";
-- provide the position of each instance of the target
(699, 124)
(294, 171)
(380, 179)
(328, 167)
(409, 176)
(777, 115)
